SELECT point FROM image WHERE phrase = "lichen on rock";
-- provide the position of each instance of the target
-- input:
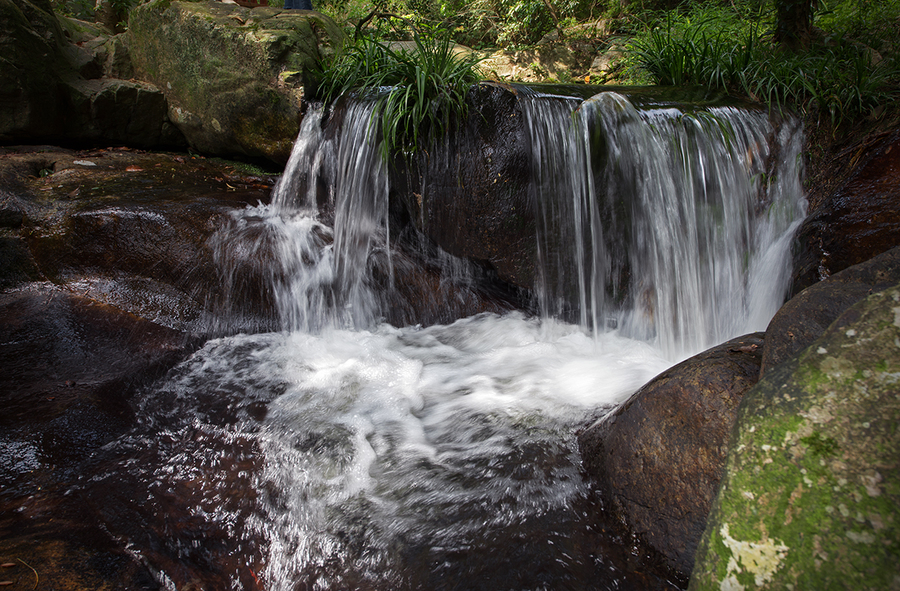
(813, 478)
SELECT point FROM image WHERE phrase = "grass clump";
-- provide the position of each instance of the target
(841, 76)
(419, 86)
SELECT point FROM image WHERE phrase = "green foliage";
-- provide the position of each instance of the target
(719, 47)
(418, 87)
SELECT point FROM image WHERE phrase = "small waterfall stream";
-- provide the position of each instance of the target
(671, 225)
(340, 452)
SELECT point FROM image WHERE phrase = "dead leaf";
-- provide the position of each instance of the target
(134, 168)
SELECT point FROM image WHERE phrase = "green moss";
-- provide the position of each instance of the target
(820, 446)
(811, 495)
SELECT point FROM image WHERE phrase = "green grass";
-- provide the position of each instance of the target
(839, 78)
(418, 89)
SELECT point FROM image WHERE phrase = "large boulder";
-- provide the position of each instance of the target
(31, 63)
(57, 83)
(233, 76)
(856, 221)
(805, 317)
(481, 211)
(658, 459)
(810, 498)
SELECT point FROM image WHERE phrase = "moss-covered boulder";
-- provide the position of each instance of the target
(811, 494)
(233, 76)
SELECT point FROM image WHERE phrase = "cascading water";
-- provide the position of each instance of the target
(672, 225)
(341, 452)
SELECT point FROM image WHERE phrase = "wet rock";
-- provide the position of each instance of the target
(124, 227)
(481, 211)
(247, 58)
(810, 498)
(658, 459)
(856, 222)
(805, 317)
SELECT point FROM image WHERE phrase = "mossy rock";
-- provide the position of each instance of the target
(810, 498)
(222, 68)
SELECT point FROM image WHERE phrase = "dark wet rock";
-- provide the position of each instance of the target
(857, 221)
(658, 458)
(805, 317)
(59, 349)
(810, 497)
(480, 211)
(251, 60)
(124, 227)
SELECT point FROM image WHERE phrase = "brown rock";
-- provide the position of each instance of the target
(659, 458)
(856, 222)
(806, 316)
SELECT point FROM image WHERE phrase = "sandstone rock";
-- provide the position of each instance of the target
(225, 70)
(810, 498)
(805, 317)
(858, 221)
(660, 456)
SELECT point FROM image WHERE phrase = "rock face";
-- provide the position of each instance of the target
(806, 316)
(58, 84)
(481, 211)
(660, 456)
(125, 228)
(858, 221)
(810, 498)
(233, 76)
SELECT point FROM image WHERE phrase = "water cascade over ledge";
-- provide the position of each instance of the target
(319, 447)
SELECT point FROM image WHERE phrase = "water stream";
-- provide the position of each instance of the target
(341, 452)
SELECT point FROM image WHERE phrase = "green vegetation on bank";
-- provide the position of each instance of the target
(849, 70)
(842, 66)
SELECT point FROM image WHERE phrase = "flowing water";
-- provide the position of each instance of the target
(341, 452)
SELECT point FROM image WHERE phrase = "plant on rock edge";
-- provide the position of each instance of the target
(418, 88)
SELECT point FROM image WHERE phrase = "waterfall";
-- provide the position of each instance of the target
(315, 445)
(670, 224)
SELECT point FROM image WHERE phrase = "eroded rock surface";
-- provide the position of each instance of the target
(810, 498)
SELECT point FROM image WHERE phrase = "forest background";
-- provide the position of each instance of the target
(835, 62)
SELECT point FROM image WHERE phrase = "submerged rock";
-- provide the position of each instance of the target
(660, 456)
(810, 498)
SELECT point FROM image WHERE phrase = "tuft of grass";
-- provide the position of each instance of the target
(839, 77)
(418, 87)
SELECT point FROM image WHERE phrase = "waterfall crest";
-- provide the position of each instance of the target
(669, 224)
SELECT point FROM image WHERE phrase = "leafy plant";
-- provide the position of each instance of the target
(418, 88)
(718, 48)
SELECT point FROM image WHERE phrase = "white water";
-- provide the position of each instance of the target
(664, 223)
(404, 457)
